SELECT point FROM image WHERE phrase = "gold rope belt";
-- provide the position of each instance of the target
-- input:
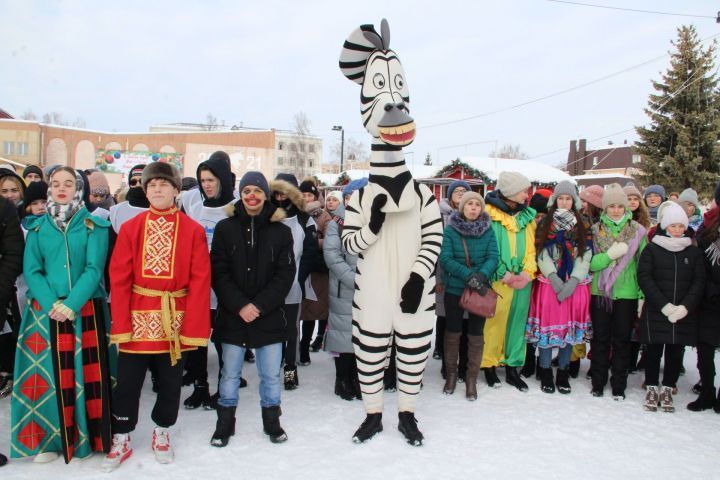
(167, 314)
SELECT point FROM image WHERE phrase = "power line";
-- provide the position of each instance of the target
(608, 7)
(555, 94)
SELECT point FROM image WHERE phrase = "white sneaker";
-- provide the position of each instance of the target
(161, 445)
(46, 457)
(119, 452)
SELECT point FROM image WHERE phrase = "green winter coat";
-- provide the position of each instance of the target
(626, 286)
(66, 265)
(482, 249)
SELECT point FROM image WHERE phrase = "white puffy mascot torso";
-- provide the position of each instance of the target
(393, 225)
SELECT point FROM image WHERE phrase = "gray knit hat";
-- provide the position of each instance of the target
(690, 195)
(614, 195)
(166, 171)
(467, 196)
(566, 187)
(658, 189)
(512, 183)
(631, 189)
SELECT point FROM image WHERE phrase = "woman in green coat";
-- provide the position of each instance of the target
(60, 401)
(468, 228)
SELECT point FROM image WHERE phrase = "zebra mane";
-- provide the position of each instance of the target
(358, 47)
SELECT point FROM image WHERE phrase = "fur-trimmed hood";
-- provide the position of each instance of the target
(293, 193)
(269, 211)
(476, 228)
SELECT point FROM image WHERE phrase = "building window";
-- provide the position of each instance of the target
(293, 147)
(302, 147)
(636, 158)
(9, 148)
(280, 161)
(281, 145)
(22, 149)
(311, 148)
(595, 161)
(310, 163)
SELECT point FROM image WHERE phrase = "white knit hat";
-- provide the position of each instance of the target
(512, 183)
(336, 194)
(614, 195)
(671, 213)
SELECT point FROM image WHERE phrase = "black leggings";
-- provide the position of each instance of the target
(673, 362)
(454, 317)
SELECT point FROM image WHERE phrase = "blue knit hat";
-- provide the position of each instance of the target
(657, 189)
(257, 179)
(354, 185)
(454, 185)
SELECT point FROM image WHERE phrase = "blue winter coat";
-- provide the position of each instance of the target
(341, 288)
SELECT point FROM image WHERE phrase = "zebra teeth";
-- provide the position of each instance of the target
(400, 135)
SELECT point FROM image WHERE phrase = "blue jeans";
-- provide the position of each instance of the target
(545, 355)
(267, 359)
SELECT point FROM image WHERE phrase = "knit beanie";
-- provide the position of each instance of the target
(308, 186)
(593, 195)
(32, 169)
(35, 191)
(671, 213)
(354, 185)
(512, 183)
(134, 171)
(288, 177)
(658, 189)
(614, 195)
(467, 196)
(166, 171)
(538, 202)
(454, 185)
(631, 189)
(257, 179)
(336, 194)
(566, 187)
(98, 184)
(690, 195)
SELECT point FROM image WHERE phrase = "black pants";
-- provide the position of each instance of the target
(454, 317)
(131, 371)
(706, 364)
(308, 327)
(7, 352)
(611, 328)
(440, 335)
(673, 362)
(290, 350)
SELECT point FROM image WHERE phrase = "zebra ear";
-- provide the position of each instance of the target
(356, 50)
(385, 33)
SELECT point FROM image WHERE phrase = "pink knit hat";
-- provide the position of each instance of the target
(593, 195)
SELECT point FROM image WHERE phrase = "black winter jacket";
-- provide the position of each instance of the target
(263, 279)
(709, 312)
(670, 277)
(12, 245)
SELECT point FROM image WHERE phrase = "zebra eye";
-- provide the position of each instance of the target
(399, 82)
(379, 80)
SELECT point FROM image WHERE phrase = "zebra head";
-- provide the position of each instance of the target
(366, 59)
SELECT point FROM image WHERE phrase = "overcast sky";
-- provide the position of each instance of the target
(126, 65)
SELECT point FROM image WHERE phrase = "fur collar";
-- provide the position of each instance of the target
(238, 209)
(293, 194)
(475, 228)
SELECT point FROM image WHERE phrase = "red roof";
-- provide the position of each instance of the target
(4, 114)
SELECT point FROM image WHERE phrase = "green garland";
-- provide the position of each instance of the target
(469, 171)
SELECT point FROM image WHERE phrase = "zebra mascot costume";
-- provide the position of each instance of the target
(393, 225)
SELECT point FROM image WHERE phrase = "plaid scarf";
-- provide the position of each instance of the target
(62, 214)
(563, 237)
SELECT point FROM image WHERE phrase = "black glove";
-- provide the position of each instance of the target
(478, 282)
(411, 293)
(377, 216)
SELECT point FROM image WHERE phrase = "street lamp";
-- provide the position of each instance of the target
(339, 128)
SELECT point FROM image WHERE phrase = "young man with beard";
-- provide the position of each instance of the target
(253, 269)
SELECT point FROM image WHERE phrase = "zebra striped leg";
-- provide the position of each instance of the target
(412, 353)
(371, 351)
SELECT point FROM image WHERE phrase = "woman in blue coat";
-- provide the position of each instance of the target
(468, 228)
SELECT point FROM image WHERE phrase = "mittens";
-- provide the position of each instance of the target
(377, 216)
(568, 289)
(668, 309)
(556, 283)
(411, 293)
(617, 250)
(679, 313)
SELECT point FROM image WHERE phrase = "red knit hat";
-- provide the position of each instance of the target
(593, 195)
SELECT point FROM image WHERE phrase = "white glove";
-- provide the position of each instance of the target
(679, 313)
(668, 309)
(641, 302)
(617, 250)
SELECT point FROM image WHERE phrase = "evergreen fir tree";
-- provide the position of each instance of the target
(679, 147)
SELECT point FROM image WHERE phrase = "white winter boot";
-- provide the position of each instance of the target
(161, 445)
(119, 452)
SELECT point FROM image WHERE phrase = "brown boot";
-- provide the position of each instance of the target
(475, 353)
(452, 349)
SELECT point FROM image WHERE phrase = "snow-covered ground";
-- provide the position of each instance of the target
(505, 434)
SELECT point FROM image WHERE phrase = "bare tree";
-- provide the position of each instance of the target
(428, 160)
(354, 151)
(211, 121)
(300, 148)
(509, 151)
(56, 118)
(28, 115)
(301, 124)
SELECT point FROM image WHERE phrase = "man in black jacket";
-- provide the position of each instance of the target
(253, 268)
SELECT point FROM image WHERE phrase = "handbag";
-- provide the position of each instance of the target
(471, 300)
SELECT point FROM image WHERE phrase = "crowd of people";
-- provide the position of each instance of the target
(98, 289)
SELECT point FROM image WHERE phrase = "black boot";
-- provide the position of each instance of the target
(212, 401)
(343, 387)
(528, 369)
(271, 424)
(249, 356)
(574, 368)
(225, 426)
(243, 382)
(716, 407)
(371, 426)
(317, 343)
(697, 388)
(705, 401)
(199, 397)
(3, 460)
(188, 378)
(546, 380)
(491, 377)
(407, 425)
(354, 378)
(562, 381)
(513, 378)
(291, 377)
